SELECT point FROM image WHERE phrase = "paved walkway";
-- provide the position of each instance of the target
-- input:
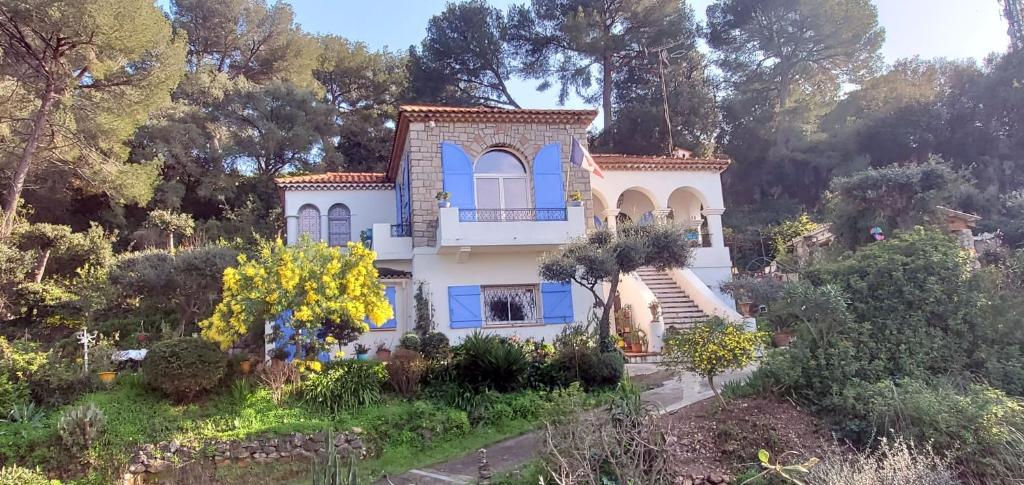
(514, 452)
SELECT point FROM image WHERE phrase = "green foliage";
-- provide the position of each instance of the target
(12, 393)
(893, 198)
(489, 361)
(711, 348)
(171, 223)
(184, 368)
(16, 475)
(601, 257)
(80, 427)
(895, 461)
(345, 385)
(330, 470)
(405, 371)
(410, 341)
(578, 358)
(424, 311)
(435, 346)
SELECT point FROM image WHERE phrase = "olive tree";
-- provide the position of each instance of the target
(604, 256)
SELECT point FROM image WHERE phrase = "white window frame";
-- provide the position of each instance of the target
(501, 177)
(538, 308)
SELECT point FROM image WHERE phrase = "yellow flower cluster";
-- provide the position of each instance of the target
(712, 347)
(313, 280)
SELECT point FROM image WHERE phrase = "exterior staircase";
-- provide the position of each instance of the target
(677, 308)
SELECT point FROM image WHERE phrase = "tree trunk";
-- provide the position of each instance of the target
(40, 266)
(785, 86)
(170, 242)
(606, 90)
(604, 332)
(711, 382)
(664, 103)
(25, 161)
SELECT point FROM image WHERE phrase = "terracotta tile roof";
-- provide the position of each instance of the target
(335, 178)
(489, 110)
(645, 163)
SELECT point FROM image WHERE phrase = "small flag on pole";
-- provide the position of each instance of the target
(580, 157)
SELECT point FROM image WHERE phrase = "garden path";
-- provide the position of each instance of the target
(507, 455)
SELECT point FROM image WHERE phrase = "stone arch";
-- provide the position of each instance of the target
(598, 204)
(686, 205)
(635, 202)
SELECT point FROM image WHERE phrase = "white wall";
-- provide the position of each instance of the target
(659, 186)
(440, 271)
(367, 207)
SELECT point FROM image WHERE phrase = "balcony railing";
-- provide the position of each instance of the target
(699, 240)
(512, 215)
(401, 230)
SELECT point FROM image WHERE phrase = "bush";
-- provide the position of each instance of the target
(184, 368)
(487, 361)
(579, 359)
(16, 475)
(12, 393)
(409, 341)
(80, 427)
(405, 370)
(418, 424)
(344, 385)
(893, 462)
(982, 428)
(59, 383)
(711, 348)
(434, 346)
(278, 377)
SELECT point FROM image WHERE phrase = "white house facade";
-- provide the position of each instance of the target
(509, 178)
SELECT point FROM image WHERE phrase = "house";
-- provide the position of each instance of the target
(508, 175)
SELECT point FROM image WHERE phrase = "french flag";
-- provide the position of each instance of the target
(580, 157)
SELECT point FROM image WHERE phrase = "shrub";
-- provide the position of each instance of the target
(893, 462)
(710, 348)
(16, 475)
(410, 341)
(435, 346)
(278, 377)
(184, 368)
(344, 385)
(485, 361)
(80, 427)
(417, 424)
(405, 369)
(579, 359)
(59, 383)
(12, 393)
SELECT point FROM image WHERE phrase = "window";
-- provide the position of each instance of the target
(510, 304)
(309, 222)
(500, 181)
(339, 225)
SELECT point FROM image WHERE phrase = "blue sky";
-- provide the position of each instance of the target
(929, 28)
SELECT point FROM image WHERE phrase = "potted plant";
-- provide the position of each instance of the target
(383, 352)
(102, 360)
(245, 366)
(443, 199)
(575, 199)
(362, 352)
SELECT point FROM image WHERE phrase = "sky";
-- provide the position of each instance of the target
(928, 28)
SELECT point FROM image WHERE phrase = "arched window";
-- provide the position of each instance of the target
(309, 221)
(500, 181)
(339, 225)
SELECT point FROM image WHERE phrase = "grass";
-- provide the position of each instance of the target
(403, 434)
(528, 474)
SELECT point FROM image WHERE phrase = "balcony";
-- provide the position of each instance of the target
(392, 241)
(497, 228)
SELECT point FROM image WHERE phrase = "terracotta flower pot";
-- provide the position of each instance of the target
(746, 308)
(782, 339)
(107, 377)
(383, 355)
(245, 367)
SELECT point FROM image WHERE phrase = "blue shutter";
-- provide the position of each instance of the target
(464, 306)
(548, 185)
(458, 175)
(406, 216)
(557, 298)
(389, 292)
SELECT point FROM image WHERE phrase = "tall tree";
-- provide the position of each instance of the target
(247, 38)
(584, 43)
(466, 58)
(365, 87)
(94, 70)
(788, 48)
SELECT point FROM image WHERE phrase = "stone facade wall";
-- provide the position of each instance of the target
(525, 139)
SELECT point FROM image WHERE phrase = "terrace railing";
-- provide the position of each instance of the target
(512, 215)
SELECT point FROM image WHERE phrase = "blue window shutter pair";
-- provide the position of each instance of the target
(457, 170)
(389, 292)
(464, 308)
(287, 332)
(548, 184)
(557, 299)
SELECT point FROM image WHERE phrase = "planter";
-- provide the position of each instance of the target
(575, 203)
(636, 348)
(746, 308)
(107, 377)
(443, 204)
(245, 367)
(383, 355)
(362, 356)
(782, 339)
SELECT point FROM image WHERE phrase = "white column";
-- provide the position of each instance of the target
(291, 224)
(610, 216)
(323, 226)
(714, 217)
